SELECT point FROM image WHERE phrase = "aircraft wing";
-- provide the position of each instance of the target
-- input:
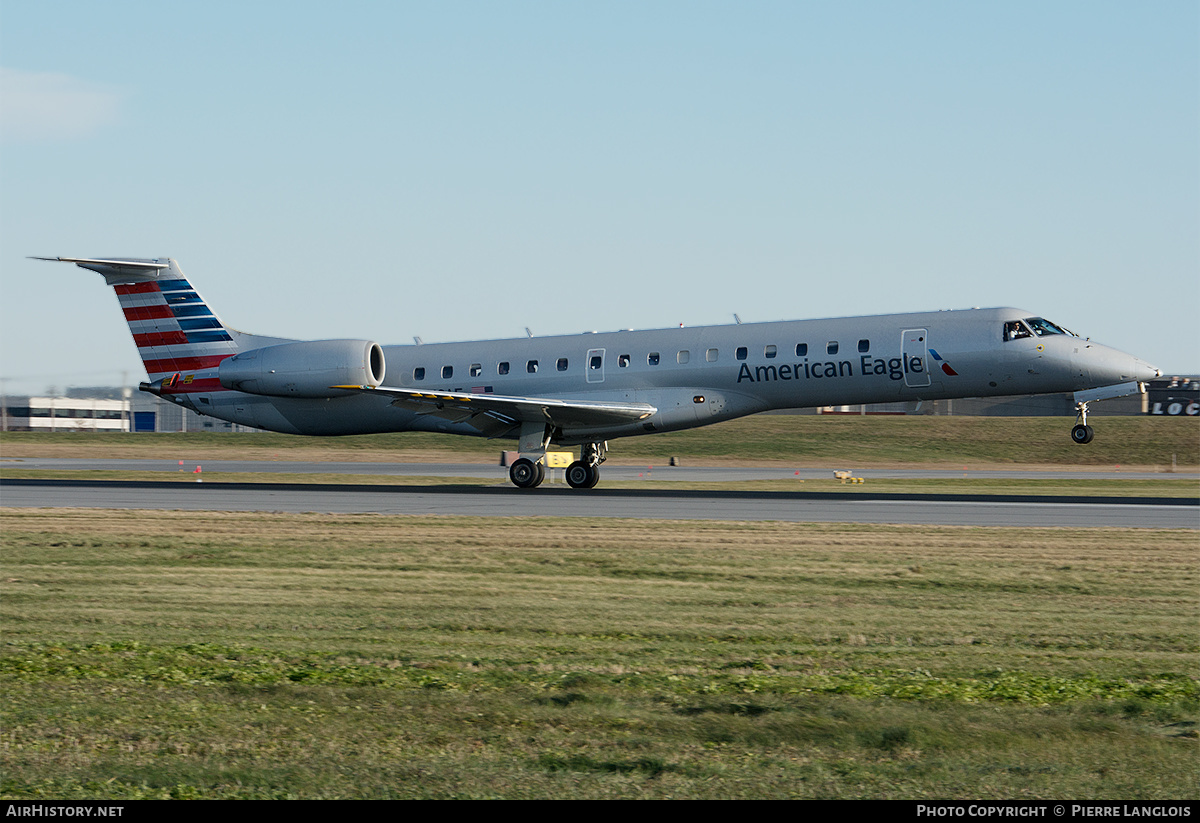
(495, 414)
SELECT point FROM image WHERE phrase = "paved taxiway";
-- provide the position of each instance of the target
(558, 501)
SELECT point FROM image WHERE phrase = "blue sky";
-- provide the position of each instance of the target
(463, 170)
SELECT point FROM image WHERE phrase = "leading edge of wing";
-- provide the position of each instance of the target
(464, 406)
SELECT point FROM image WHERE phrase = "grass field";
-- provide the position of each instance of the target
(219, 655)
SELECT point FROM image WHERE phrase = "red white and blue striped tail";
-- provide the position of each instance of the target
(181, 340)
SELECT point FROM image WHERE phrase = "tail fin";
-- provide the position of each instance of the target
(178, 336)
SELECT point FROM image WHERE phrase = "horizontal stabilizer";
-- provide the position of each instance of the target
(486, 410)
(117, 270)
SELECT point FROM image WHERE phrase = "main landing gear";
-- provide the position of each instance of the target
(1082, 433)
(584, 473)
(525, 474)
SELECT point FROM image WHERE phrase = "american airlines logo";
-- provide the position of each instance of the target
(945, 366)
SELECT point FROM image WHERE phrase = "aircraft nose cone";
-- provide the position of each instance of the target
(1110, 366)
(1130, 368)
(1144, 371)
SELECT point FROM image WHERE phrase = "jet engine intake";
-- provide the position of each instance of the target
(305, 369)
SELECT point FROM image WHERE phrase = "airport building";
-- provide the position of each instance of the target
(104, 409)
(59, 414)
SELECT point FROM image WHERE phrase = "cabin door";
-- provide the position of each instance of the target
(914, 343)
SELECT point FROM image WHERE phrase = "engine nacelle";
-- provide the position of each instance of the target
(304, 369)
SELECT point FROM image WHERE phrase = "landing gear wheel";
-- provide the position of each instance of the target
(582, 476)
(1082, 433)
(525, 474)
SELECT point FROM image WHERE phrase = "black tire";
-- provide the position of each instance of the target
(525, 474)
(582, 476)
(578, 475)
(1082, 434)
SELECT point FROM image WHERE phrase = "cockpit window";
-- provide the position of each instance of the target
(1015, 330)
(1042, 327)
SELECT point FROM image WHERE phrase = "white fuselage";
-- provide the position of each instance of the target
(701, 375)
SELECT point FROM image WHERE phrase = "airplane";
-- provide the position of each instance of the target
(587, 389)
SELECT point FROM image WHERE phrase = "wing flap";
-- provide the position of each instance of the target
(490, 411)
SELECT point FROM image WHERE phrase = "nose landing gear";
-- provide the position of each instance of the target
(1082, 432)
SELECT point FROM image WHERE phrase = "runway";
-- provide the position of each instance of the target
(610, 471)
(503, 500)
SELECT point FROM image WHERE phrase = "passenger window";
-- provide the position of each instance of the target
(562, 364)
(419, 373)
(531, 367)
(711, 355)
(770, 352)
(447, 372)
(864, 346)
(740, 353)
(802, 350)
(476, 369)
(831, 347)
(623, 360)
(502, 367)
(652, 358)
(596, 362)
(683, 356)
